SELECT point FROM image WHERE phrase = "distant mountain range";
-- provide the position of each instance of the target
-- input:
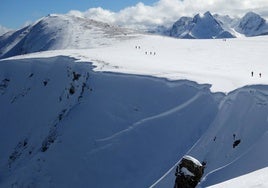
(208, 26)
(55, 32)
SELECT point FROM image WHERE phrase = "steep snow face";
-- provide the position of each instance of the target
(60, 32)
(201, 27)
(228, 24)
(252, 25)
(182, 28)
(63, 125)
(235, 143)
(96, 129)
(208, 27)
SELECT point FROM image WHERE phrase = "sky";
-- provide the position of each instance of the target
(15, 14)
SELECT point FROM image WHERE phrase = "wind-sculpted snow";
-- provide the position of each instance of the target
(113, 123)
(63, 124)
(113, 130)
(242, 116)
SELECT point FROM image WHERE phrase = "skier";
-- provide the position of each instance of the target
(252, 74)
(260, 75)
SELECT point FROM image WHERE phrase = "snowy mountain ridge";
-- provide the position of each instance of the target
(55, 32)
(100, 106)
(97, 128)
(208, 26)
(60, 32)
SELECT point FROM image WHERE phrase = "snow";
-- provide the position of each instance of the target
(208, 26)
(56, 32)
(196, 60)
(186, 172)
(129, 117)
(111, 136)
(195, 161)
(201, 26)
(254, 179)
(252, 24)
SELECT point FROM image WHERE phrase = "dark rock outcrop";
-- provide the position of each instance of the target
(188, 173)
(199, 27)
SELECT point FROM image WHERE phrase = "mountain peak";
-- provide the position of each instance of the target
(251, 14)
(208, 14)
(252, 24)
(207, 26)
(203, 26)
(57, 31)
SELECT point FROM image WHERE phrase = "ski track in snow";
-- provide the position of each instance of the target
(198, 60)
(166, 113)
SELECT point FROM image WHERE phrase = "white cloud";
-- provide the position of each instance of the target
(3, 30)
(166, 12)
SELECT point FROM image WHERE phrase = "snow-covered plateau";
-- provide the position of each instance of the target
(122, 114)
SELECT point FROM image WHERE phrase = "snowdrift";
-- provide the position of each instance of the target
(64, 125)
(127, 118)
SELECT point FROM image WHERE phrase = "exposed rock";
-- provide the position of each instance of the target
(236, 143)
(188, 173)
(199, 27)
(252, 24)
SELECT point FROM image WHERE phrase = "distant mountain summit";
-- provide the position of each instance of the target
(208, 26)
(252, 24)
(55, 32)
(200, 26)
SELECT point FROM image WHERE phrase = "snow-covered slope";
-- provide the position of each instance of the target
(235, 143)
(63, 125)
(254, 179)
(226, 65)
(113, 123)
(60, 32)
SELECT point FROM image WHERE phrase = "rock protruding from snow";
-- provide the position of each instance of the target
(188, 173)
(199, 27)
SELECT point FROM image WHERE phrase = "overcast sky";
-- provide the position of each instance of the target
(16, 13)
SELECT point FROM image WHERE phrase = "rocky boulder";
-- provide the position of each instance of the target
(188, 173)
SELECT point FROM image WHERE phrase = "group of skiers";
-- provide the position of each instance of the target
(252, 74)
(146, 52)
